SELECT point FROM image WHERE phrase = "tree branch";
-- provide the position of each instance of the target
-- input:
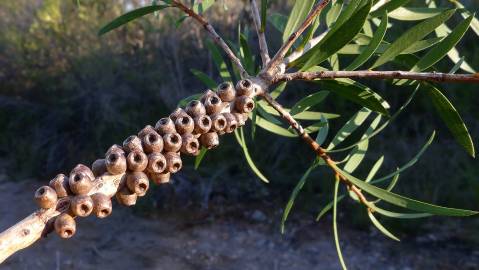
(263, 45)
(419, 76)
(279, 56)
(212, 32)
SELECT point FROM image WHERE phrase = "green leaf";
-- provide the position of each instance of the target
(389, 6)
(415, 14)
(402, 201)
(340, 35)
(373, 45)
(323, 131)
(308, 102)
(186, 100)
(278, 21)
(349, 127)
(209, 82)
(414, 34)
(273, 128)
(201, 6)
(398, 215)
(307, 115)
(380, 227)
(241, 141)
(452, 119)
(297, 16)
(415, 47)
(129, 16)
(335, 224)
(333, 13)
(327, 207)
(219, 61)
(377, 165)
(200, 157)
(264, 8)
(293, 196)
(248, 59)
(278, 90)
(357, 93)
(441, 49)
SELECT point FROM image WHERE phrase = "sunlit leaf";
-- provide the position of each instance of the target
(349, 127)
(200, 157)
(296, 17)
(323, 131)
(308, 102)
(335, 224)
(219, 61)
(241, 141)
(391, 214)
(388, 6)
(380, 227)
(415, 14)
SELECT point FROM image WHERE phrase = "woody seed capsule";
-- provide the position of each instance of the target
(146, 130)
(132, 143)
(178, 112)
(241, 118)
(165, 125)
(46, 197)
(195, 108)
(245, 88)
(115, 162)
(115, 149)
(60, 185)
(206, 95)
(231, 123)
(152, 142)
(173, 162)
(101, 205)
(156, 163)
(189, 145)
(65, 225)
(80, 179)
(210, 140)
(218, 122)
(137, 161)
(160, 178)
(244, 104)
(184, 124)
(98, 167)
(202, 124)
(213, 104)
(126, 197)
(138, 182)
(171, 142)
(226, 92)
(81, 205)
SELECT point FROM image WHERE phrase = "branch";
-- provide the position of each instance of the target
(263, 45)
(419, 76)
(216, 38)
(279, 56)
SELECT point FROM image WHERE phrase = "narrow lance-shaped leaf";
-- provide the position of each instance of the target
(349, 127)
(200, 157)
(377, 165)
(415, 14)
(452, 119)
(308, 102)
(241, 141)
(335, 224)
(298, 14)
(442, 48)
(388, 7)
(129, 16)
(380, 227)
(414, 34)
(205, 79)
(219, 61)
(328, 207)
(264, 9)
(323, 131)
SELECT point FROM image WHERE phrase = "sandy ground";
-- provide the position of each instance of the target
(241, 238)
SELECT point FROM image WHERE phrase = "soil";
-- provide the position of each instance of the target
(243, 237)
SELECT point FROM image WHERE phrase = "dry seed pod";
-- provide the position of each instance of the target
(184, 124)
(244, 104)
(152, 142)
(165, 125)
(226, 92)
(137, 161)
(245, 88)
(241, 118)
(115, 149)
(206, 95)
(132, 143)
(195, 108)
(172, 142)
(202, 124)
(126, 197)
(218, 122)
(101, 205)
(213, 104)
(146, 130)
(80, 179)
(98, 167)
(189, 144)
(160, 178)
(115, 162)
(178, 112)
(156, 163)
(60, 185)
(173, 162)
(231, 123)
(210, 140)
(46, 197)
(81, 205)
(65, 225)
(138, 182)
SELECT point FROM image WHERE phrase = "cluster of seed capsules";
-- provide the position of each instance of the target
(153, 154)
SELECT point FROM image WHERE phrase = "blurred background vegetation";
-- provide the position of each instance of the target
(66, 95)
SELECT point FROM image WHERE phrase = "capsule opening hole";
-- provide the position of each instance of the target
(113, 157)
(246, 83)
(152, 138)
(214, 100)
(142, 187)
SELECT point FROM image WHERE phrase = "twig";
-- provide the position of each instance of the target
(263, 45)
(279, 56)
(216, 38)
(420, 76)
